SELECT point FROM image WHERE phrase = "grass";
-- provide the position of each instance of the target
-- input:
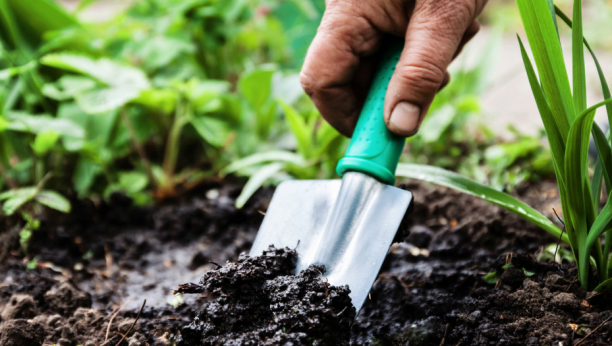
(569, 125)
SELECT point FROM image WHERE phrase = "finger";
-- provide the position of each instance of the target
(472, 30)
(447, 78)
(434, 34)
(332, 64)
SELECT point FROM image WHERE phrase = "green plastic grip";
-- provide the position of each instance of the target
(374, 150)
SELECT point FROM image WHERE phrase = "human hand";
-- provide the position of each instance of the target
(339, 65)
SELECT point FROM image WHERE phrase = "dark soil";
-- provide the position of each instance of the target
(106, 258)
(258, 301)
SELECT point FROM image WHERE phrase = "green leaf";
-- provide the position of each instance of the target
(103, 70)
(84, 174)
(491, 278)
(53, 200)
(83, 4)
(546, 48)
(602, 224)
(604, 286)
(41, 123)
(604, 84)
(578, 59)
(163, 100)
(300, 130)
(257, 180)
(213, 130)
(16, 198)
(67, 87)
(44, 141)
(255, 159)
(257, 87)
(102, 100)
(457, 182)
(555, 138)
(6, 74)
(132, 182)
(604, 155)
(436, 123)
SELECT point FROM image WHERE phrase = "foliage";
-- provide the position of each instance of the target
(569, 125)
(452, 137)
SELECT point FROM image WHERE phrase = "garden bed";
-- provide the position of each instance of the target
(95, 267)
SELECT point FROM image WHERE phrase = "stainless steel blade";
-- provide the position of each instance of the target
(347, 225)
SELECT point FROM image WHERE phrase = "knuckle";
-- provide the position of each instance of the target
(423, 76)
(309, 84)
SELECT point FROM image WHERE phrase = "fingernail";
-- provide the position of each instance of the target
(406, 118)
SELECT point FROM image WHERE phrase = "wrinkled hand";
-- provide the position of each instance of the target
(340, 62)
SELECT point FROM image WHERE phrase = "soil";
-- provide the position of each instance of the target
(95, 267)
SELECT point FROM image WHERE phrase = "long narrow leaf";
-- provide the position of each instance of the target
(605, 154)
(256, 181)
(604, 84)
(269, 156)
(601, 224)
(546, 48)
(457, 182)
(578, 59)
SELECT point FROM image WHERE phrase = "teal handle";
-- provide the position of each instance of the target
(374, 150)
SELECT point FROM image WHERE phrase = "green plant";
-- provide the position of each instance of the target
(318, 148)
(569, 124)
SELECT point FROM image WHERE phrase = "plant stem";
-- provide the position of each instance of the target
(146, 164)
(172, 145)
(10, 182)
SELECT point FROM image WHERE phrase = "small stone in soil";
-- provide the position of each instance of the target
(258, 301)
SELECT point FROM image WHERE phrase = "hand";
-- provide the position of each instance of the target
(340, 62)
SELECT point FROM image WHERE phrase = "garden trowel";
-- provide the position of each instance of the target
(347, 225)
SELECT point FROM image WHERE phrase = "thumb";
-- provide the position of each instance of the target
(434, 34)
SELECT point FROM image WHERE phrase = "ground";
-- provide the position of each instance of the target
(96, 267)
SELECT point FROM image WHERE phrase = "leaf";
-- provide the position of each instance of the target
(457, 182)
(6, 74)
(491, 278)
(300, 130)
(67, 87)
(40, 123)
(257, 87)
(103, 70)
(163, 100)
(53, 200)
(84, 174)
(436, 123)
(256, 181)
(604, 286)
(16, 199)
(604, 84)
(546, 48)
(44, 141)
(604, 155)
(578, 59)
(132, 182)
(102, 100)
(212, 130)
(258, 158)
(83, 4)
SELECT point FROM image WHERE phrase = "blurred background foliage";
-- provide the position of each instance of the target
(169, 94)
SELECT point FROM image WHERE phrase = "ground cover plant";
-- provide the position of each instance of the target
(569, 124)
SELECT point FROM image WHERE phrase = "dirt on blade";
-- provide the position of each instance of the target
(258, 301)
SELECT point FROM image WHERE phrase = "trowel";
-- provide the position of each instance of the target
(347, 225)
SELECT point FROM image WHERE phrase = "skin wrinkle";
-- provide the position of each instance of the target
(352, 30)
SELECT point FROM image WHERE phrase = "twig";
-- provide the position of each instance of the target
(139, 149)
(593, 331)
(571, 283)
(133, 324)
(112, 318)
(561, 236)
(444, 338)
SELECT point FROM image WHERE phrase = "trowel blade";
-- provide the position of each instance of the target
(347, 225)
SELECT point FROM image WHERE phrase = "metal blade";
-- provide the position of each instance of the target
(347, 225)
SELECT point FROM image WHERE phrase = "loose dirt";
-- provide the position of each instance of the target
(96, 266)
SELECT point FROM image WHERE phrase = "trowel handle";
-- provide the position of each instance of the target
(374, 150)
